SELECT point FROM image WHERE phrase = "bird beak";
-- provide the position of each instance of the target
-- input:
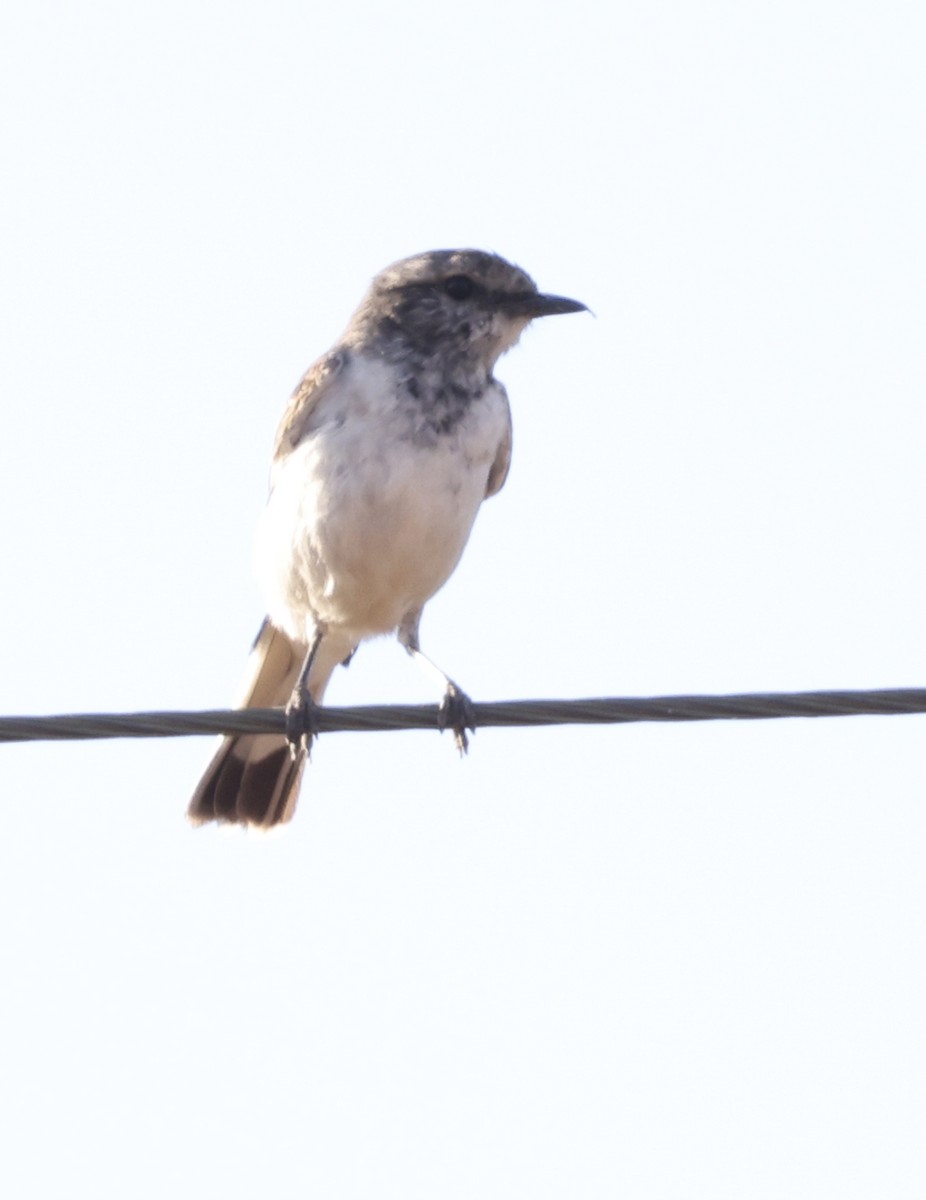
(535, 304)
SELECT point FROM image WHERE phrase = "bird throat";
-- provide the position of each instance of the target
(437, 401)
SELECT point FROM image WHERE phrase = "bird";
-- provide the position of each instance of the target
(389, 445)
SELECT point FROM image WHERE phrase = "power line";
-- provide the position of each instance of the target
(758, 706)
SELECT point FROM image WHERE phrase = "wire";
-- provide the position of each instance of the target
(757, 706)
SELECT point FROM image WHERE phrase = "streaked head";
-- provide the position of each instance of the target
(465, 304)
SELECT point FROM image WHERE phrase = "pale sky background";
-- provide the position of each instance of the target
(641, 962)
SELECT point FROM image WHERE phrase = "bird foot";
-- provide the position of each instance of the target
(456, 712)
(301, 723)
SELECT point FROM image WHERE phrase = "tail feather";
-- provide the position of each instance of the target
(254, 790)
(253, 779)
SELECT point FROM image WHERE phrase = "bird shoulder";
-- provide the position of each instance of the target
(298, 420)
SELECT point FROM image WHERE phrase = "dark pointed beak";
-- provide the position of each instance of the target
(535, 304)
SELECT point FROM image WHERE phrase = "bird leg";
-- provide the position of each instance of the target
(301, 709)
(456, 709)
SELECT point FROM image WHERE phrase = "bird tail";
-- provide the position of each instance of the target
(253, 778)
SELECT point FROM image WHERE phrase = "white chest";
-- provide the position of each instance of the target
(367, 518)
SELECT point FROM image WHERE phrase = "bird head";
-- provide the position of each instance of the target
(459, 304)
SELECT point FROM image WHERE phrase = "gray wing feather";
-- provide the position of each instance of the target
(300, 417)
(498, 472)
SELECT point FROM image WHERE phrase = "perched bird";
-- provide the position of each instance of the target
(389, 444)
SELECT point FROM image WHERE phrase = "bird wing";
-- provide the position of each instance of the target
(299, 418)
(498, 472)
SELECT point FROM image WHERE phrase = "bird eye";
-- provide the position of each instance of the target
(459, 287)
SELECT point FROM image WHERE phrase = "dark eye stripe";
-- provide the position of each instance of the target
(459, 287)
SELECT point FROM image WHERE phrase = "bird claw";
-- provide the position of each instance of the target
(456, 712)
(301, 723)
